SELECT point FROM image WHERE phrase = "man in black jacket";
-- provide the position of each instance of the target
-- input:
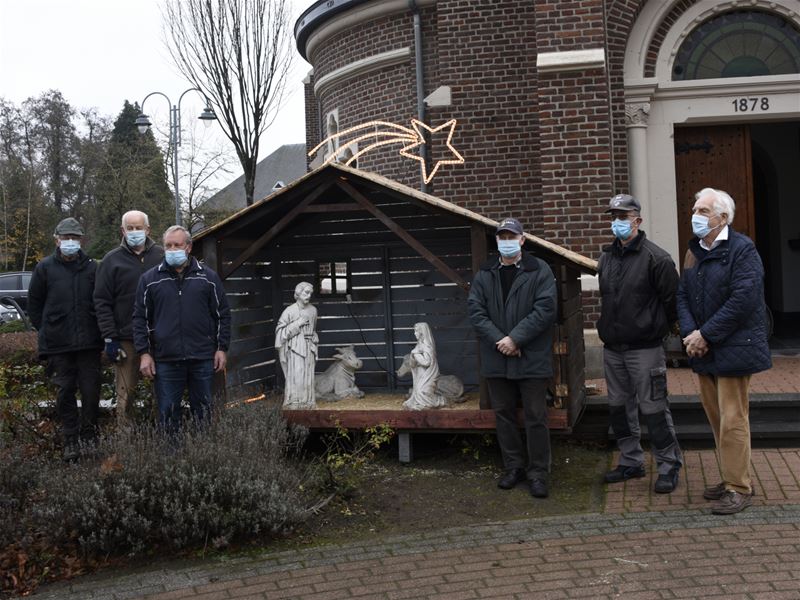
(638, 283)
(512, 306)
(60, 307)
(114, 292)
(181, 329)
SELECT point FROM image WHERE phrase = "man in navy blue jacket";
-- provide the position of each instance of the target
(181, 329)
(723, 320)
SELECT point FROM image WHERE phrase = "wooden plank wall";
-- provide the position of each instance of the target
(392, 288)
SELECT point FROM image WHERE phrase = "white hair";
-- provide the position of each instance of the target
(135, 213)
(722, 202)
(178, 228)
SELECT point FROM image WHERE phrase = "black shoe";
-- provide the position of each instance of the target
(511, 479)
(538, 488)
(71, 453)
(623, 473)
(667, 483)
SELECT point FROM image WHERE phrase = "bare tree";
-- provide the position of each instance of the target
(238, 53)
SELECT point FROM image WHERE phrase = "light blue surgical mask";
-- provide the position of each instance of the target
(175, 258)
(70, 247)
(508, 248)
(700, 226)
(621, 228)
(135, 238)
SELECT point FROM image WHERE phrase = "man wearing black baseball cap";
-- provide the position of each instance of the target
(638, 286)
(512, 306)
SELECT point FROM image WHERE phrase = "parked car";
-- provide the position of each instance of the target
(8, 314)
(15, 285)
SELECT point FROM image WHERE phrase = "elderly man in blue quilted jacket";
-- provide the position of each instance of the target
(723, 320)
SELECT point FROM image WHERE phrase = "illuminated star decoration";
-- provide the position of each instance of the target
(394, 133)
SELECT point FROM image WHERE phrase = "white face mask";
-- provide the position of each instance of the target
(69, 247)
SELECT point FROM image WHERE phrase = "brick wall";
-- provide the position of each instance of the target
(549, 148)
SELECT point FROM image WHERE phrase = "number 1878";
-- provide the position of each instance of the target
(750, 104)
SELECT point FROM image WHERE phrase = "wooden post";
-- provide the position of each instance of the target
(405, 447)
(478, 249)
(388, 320)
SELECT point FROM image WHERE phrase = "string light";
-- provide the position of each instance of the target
(396, 133)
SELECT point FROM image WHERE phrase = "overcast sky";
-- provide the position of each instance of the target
(99, 53)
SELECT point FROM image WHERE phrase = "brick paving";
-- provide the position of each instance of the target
(782, 378)
(642, 546)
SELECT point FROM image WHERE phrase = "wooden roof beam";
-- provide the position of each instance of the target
(273, 231)
(403, 234)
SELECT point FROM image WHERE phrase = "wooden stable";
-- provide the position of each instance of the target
(381, 257)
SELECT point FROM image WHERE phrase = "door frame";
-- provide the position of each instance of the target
(654, 105)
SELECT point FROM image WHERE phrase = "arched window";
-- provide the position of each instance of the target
(742, 43)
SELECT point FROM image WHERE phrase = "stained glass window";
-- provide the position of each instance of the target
(742, 43)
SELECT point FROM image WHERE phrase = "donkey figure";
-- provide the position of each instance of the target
(339, 380)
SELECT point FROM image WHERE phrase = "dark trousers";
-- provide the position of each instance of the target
(505, 395)
(71, 372)
(172, 378)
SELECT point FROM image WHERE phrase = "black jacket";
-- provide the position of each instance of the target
(181, 318)
(638, 283)
(60, 304)
(115, 288)
(527, 315)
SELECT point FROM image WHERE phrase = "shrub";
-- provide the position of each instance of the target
(241, 476)
(19, 347)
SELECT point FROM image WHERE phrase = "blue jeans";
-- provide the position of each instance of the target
(172, 378)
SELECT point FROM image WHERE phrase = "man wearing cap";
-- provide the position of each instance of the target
(512, 306)
(114, 293)
(60, 306)
(638, 284)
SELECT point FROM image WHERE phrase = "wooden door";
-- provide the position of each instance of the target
(715, 156)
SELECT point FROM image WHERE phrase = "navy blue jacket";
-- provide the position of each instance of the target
(528, 316)
(722, 295)
(181, 318)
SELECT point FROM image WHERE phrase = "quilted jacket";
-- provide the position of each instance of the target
(722, 295)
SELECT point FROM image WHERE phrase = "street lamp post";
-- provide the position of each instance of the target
(143, 123)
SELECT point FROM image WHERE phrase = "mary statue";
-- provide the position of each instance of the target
(424, 371)
(296, 341)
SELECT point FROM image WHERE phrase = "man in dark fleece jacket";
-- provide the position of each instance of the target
(181, 329)
(638, 282)
(114, 292)
(60, 307)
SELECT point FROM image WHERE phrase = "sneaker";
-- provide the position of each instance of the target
(623, 473)
(731, 503)
(668, 482)
(714, 492)
(71, 453)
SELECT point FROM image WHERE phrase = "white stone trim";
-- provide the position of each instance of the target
(570, 60)
(706, 9)
(361, 67)
(355, 17)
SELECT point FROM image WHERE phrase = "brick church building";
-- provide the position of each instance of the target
(560, 104)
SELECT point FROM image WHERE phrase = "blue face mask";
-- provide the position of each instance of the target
(621, 228)
(700, 226)
(175, 258)
(70, 247)
(508, 248)
(135, 238)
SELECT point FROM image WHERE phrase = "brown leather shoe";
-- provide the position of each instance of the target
(731, 503)
(714, 492)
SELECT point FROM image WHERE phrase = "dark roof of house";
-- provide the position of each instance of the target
(285, 165)
(304, 184)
